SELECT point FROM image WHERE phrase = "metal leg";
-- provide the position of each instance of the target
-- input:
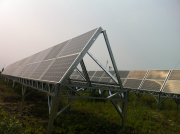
(159, 101)
(177, 102)
(138, 95)
(54, 109)
(13, 88)
(124, 110)
(69, 100)
(23, 97)
(49, 103)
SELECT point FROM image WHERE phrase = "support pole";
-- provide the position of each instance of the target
(49, 103)
(23, 97)
(54, 109)
(124, 109)
(177, 104)
(159, 101)
(13, 88)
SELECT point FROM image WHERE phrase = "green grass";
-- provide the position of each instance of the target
(85, 116)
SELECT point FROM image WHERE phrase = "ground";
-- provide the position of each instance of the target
(85, 116)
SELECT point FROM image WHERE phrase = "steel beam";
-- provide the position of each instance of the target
(65, 107)
(54, 108)
(80, 73)
(85, 73)
(112, 58)
(110, 75)
(124, 109)
(23, 97)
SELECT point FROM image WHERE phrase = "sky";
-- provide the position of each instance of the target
(144, 35)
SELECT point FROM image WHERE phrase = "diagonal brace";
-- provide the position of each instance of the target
(110, 75)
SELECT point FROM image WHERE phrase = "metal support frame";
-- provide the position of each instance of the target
(160, 99)
(85, 73)
(138, 95)
(177, 101)
(112, 58)
(54, 108)
(110, 75)
(124, 109)
(23, 97)
(80, 73)
(13, 87)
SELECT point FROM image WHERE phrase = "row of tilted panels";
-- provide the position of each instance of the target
(167, 81)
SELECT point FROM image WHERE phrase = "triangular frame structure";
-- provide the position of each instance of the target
(67, 88)
(74, 90)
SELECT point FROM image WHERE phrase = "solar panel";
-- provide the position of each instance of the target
(16, 71)
(59, 68)
(173, 83)
(175, 75)
(56, 63)
(77, 44)
(71, 55)
(135, 78)
(96, 76)
(105, 79)
(9, 71)
(157, 74)
(152, 85)
(132, 83)
(55, 50)
(137, 74)
(21, 62)
(91, 73)
(23, 69)
(40, 69)
(154, 80)
(30, 70)
(95, 79)
(42, 55)
(31, 59)
(123, 74)
(98, 73)
(172, 86)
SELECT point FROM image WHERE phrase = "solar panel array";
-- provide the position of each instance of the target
(53, 63)
(56, 63)
(150, 80)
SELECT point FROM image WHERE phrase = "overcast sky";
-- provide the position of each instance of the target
(143, 34)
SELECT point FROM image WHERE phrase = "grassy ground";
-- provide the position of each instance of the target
(85, 116)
